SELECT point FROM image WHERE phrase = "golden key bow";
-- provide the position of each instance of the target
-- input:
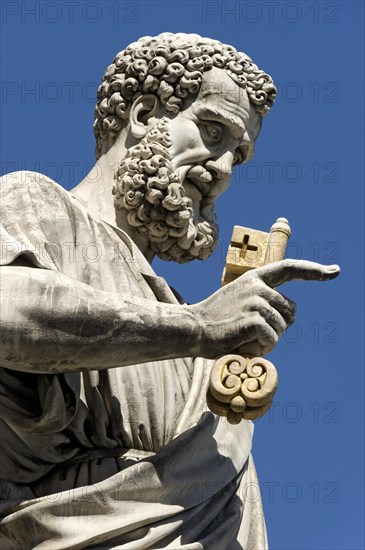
(244, 387)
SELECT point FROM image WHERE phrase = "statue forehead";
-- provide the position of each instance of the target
(220, 93)
(218, 86)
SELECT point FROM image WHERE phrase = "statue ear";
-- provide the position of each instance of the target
(143, 108)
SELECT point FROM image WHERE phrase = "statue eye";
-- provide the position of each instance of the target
(212, 132)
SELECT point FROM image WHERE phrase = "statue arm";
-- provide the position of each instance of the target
(52, 323)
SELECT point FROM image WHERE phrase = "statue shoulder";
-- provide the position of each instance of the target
(18, 189)
(25, 178)
(35, 212)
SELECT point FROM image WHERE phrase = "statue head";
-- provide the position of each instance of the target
(190, 108)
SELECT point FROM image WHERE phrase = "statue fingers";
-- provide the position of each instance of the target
(270, 315)
(281, 272)
(286, 307)
(260, 332)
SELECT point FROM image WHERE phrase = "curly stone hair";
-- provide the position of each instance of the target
(171, 66)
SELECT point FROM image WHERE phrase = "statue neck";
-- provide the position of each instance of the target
(95, 193)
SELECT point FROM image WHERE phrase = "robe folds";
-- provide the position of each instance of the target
(123, 458)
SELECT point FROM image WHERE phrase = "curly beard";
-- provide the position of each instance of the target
(153, 195)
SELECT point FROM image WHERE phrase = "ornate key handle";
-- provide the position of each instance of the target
(242, 387)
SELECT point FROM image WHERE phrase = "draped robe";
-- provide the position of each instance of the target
(123, 458)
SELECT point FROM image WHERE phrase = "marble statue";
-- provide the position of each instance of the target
(106, 438)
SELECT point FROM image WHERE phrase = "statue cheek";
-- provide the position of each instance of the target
(185, 138)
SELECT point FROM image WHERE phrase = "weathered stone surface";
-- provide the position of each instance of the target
(107, 440)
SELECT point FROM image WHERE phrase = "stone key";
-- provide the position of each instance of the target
(244, 387)
(251, 248)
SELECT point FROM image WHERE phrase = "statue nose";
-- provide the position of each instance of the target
(221, 168)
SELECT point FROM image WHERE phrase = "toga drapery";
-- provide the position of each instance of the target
(124, 458)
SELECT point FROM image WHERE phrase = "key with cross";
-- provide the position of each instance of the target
(251, 248)
(243, 387)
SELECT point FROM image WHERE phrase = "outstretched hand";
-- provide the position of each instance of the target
(249, 315)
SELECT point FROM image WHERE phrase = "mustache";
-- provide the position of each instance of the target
(151, 191)
(199, 176)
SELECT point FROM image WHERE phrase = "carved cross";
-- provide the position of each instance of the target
(251, 248)
(245, 245)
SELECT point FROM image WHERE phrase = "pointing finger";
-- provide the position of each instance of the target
(277, 273)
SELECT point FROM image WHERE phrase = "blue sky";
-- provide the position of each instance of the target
(308, 167)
